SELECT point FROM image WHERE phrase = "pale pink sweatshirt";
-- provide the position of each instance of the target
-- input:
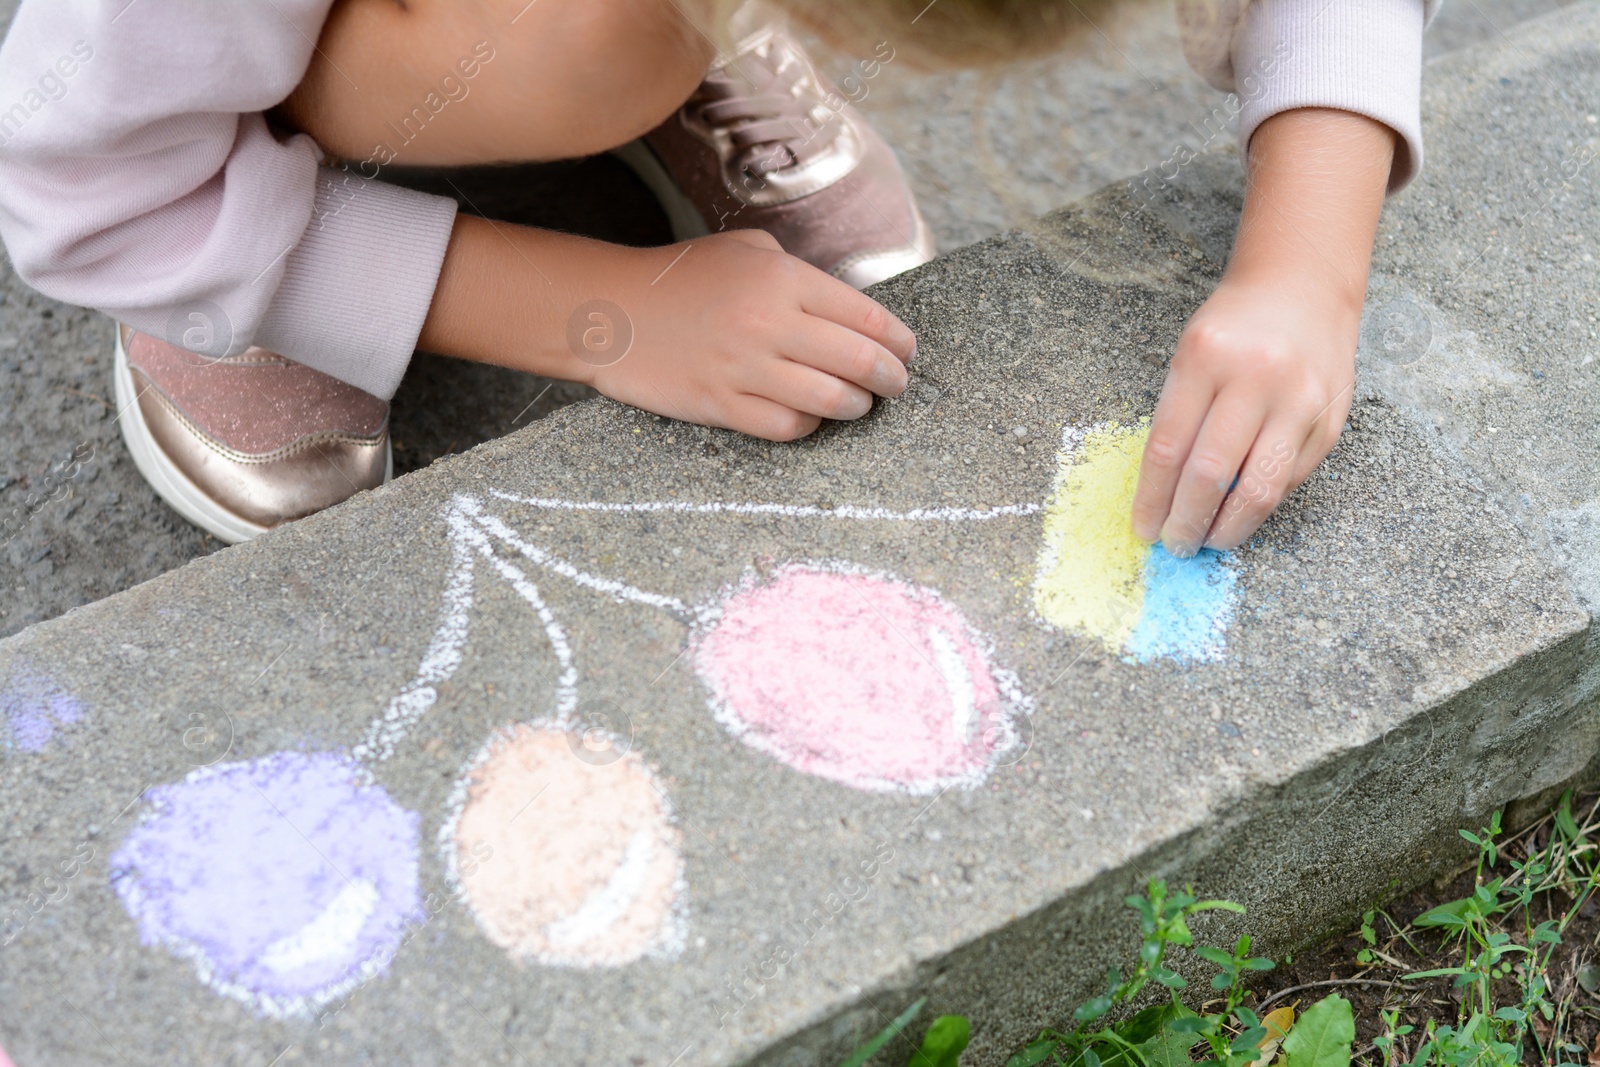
(139, 177)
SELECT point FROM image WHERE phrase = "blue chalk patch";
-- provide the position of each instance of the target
(1188, 604)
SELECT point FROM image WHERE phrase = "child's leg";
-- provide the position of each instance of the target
(447, 82)
(727, 330)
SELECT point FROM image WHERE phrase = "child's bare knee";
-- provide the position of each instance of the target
(545, 80)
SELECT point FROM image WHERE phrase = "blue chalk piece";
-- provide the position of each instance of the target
(1188, 604)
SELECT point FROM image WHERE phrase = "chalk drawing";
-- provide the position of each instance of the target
(285, 880)
(34, 707)
(856, 677)
(590, 885)
(985, 720)
(619, 591)
(1095, 577)
(289, 880)
(585, 867)
(893, 650)
(886, 736)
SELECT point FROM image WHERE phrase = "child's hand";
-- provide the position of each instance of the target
(1261, 380)
(726, 330)
(1259, 387)
(739, 334)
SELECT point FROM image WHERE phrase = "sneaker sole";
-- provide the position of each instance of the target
(170, 483)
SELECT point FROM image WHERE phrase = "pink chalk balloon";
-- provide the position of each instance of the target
(854, 677)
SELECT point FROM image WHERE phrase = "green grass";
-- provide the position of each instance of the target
(1501, 965)
(1498, 955)
(1165, 1034)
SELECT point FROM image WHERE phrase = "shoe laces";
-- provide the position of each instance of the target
(765, 103)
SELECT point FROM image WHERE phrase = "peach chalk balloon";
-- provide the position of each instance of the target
(857, 678)
(565, 855)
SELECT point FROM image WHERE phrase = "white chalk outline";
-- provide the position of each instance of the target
(465, 520)
(790, 511)
(618, 591)
(439, 661)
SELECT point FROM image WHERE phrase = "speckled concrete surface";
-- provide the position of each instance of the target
(1482, 314)
(1411, 649)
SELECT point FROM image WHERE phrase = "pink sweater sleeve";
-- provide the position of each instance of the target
(1363, 56)
(138, 176)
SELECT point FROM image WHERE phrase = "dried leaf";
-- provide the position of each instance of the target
(1276, 1023)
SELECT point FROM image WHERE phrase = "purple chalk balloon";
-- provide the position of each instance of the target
(285, 880)
(34, 706)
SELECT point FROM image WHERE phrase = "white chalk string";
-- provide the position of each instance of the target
(792, 511)
(446, 649)
(439, 661)
(619, 591)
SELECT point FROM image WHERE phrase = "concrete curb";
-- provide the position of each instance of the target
(1411, 645)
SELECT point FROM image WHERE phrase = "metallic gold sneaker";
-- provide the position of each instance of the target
(766, 144)
(241, 444)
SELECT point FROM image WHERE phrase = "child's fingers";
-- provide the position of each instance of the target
(767, 419)
(1179, 415)
(828, 298)
(1230, 428)
(808, 390)
(1326, 426)
(1275, 466)
(843, 353)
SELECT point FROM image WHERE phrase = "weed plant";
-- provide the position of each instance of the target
(1511, 1007)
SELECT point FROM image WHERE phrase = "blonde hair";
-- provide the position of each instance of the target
(943, 33)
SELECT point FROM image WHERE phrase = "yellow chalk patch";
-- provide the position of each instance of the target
(1091, 570)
